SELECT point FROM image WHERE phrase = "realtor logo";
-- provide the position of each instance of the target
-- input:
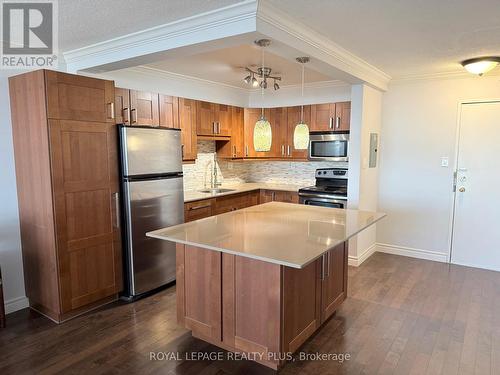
(29, 34)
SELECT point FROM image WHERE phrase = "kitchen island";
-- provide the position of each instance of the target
(263, 279)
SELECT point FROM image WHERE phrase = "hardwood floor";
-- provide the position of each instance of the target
(401, 316)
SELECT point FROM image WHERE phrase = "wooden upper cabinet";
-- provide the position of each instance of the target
(278, 119)
(342, 116)
(144, 109)
(84, 157)
(322, 117)
(187, 123)
(169, 111)
(205, 123)
(293, 118)
(251, 116)
(237, 133)
(72, 97)
(122, 106)
(223, 119)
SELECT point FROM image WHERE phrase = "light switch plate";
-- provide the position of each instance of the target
(445, 161)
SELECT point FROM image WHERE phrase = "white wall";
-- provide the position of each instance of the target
(10, 240)
(366, 118)
(418, 128)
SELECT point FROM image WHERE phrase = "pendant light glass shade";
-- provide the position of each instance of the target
(262, 135)
(301, 136)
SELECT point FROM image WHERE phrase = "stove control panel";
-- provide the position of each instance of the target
(331, 173)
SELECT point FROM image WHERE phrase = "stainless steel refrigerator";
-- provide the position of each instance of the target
(153, 198)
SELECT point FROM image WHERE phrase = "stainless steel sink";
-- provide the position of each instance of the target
(216, 190)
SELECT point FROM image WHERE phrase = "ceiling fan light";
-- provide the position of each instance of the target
(262, 135)
(247, 79)
(301, 136)
(276, 86)
(255, 83)
(481, 65)
(263, 84)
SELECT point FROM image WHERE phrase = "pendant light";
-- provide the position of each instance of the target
(301, 132)
(262, 133)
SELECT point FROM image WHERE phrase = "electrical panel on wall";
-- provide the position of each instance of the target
(373, 150)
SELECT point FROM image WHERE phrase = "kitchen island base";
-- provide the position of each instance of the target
(262, 309)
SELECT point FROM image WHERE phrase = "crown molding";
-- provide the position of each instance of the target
(224, 22)
(278, 24)
(458, 74)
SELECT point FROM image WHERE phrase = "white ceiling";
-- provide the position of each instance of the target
(84, 22)
(227, 66)
(405, 37)
(400, 37)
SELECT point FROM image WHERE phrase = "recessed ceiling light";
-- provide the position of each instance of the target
(481, 65)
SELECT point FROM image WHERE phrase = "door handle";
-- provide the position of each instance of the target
(116, 197)
(330, 122)
(214, 131)
(282, 150)
(328, 263)
(337, 122)
(133, 118)
(182, 151)
(111, 110)
(322, 277)
(199, 207)
(234, 151)
(288, 150)
(126, 111)
(246, 150)
(218, 127)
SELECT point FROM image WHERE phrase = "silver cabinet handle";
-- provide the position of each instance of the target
(133, 118)
(273, 196)
(199, 207)
(126, 119)
(282, 150)
(288, 150)
(246, 150)
(112, 110)
(218, 127)
(234, 151)
(337, 122)
(328, 263)
(322, 267)
(182, 151)
(330, 122)
(116, 197)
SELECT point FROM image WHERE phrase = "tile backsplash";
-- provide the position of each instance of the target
(198, 175)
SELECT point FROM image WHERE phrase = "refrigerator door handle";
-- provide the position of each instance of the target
(116, 197)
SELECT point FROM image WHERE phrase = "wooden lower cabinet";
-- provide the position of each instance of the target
(233, 202)
(198, 209)
(251, 306)
(278, 196)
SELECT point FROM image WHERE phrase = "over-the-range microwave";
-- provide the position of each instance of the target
(329, 146)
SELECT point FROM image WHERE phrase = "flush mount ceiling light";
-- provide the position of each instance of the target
(262, 132)
(481, 65)
(264, 73)
(301, 132)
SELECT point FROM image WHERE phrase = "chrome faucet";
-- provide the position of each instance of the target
(214, 183)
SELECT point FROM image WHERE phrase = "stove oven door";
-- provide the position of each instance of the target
(312, 200)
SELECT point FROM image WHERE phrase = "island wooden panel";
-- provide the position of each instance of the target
(247, 305)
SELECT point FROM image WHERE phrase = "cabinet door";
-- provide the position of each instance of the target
(342, 116)
(205, 123)
(71, 97)
(334, 285)
(294, 117)
(187, 123)
(322, 117)
(301, 304)
(85, 183)
(122, 106)
(280, 132)
(223, 118)
(169, 111)
(237, 133)
(199, 295)
(198, 209)
(144, 108)
(286, 196)
(266, 196)
(250, 117)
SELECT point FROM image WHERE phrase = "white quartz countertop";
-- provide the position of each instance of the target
(288, 234)
(194, 195)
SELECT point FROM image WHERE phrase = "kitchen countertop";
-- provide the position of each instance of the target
(288, 234)
(194, 195)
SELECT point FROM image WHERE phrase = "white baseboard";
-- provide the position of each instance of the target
(412, 252)
(16, 304)
(357, 260)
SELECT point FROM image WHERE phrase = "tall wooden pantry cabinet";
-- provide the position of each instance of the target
(66, 155)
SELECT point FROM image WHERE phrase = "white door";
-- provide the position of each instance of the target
(476, 227)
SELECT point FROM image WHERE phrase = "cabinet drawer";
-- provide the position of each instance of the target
(198, 209)
(236, 201)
